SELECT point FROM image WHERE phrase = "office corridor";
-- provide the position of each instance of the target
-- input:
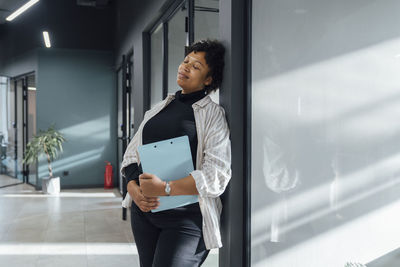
(81, 227)
(78, 228)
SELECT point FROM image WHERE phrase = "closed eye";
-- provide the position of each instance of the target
(196, 67)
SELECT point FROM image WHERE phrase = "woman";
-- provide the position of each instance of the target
(183, 236)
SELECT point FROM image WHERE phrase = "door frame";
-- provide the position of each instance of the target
(25, 126)
(235, 97)
(127, 125)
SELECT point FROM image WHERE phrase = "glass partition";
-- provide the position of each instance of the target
(156, 91)
(125, 111)
(325, 127)
(17, 126)
(120, 132)
(176, 47)
(12, 127)
(20, 128)
(9, 143)
(206, 26)
(206, 19)
(31, 123)
(5, 92)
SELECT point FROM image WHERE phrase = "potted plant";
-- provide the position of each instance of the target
(49, 144)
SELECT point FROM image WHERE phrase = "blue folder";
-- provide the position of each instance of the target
(170, 160)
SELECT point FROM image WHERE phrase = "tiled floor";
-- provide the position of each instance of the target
(78, 228)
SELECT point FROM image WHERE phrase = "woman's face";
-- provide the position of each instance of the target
(192, 73)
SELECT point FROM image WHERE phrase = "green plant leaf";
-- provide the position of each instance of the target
(45, 143)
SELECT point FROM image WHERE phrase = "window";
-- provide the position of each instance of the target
(184, 21)
(325, 123)
(156, 93)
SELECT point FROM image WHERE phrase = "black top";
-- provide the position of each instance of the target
(176, 119)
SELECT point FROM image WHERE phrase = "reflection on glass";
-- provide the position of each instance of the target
(156, 92)
(325, 127)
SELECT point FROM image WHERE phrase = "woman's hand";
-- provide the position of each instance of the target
(151, 185)
(144, 203)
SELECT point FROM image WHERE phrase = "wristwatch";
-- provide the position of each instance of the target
(167, 188)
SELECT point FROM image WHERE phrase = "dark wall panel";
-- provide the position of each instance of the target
(232, 97)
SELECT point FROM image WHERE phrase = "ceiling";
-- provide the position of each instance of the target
(72, 24)
(9, 6)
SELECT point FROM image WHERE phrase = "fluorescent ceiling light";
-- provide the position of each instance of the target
(21, 10)
(46, 39)
(32, 88)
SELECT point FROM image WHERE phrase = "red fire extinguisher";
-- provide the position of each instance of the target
(108, 176)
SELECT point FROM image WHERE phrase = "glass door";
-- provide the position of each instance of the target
(30, 125)
(120, 151)
(14, 142)
(125, 115)
(177, 40)
(18, 126)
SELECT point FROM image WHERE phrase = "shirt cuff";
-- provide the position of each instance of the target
(199, 179)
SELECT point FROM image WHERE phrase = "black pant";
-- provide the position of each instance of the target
(169, 238)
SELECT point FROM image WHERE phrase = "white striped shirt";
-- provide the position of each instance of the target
(213, 163)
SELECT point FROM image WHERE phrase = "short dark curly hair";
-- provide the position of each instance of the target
(215, 53)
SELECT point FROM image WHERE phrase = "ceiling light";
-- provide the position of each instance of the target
(31, 88)
(46, 39)
(21, 10)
